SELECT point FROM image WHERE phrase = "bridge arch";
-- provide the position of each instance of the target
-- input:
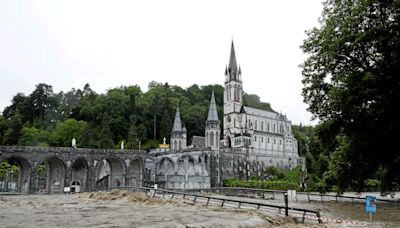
(110, 172)
(135, 172)
(50, 175)
(79, 174)
(22, 178)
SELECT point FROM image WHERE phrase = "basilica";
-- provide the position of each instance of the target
(249, 141)
(266, 132)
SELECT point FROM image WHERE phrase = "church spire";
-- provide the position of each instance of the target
(177, 127)
(212, 111)
(232, 60)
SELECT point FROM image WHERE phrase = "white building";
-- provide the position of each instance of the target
(268, 133)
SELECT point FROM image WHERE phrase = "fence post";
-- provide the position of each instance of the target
(319, 217)
(208, 201)
(222, 204)
(286, 204)
(304, 215)
(273, 195)
(308, 196)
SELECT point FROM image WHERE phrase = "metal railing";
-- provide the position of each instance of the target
(275, 194)
(151, 192)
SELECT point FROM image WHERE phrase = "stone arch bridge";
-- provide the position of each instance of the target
(50, 169)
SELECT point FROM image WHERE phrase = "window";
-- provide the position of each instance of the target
(274, 141)
(262, 139)
(255, 138)
(255, 125)
(262, 126)
(216, 139)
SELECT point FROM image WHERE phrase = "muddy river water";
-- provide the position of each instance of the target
(123, 209)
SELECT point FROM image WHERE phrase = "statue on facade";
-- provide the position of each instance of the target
(73, 143)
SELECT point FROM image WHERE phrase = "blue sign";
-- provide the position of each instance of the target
(370, 204)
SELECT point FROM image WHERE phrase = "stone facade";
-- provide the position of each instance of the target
(86, 168)
(185, 169)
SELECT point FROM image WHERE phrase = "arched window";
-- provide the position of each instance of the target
(207, 143)
(175, 146)
(180, 145)
(212, 138)
(216, 139)
(255, 125)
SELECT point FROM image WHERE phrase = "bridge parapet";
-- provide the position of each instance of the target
(69, 150)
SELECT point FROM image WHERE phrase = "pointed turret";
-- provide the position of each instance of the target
(212, 131)
(178, 136)
(177, 127)
(212, 110)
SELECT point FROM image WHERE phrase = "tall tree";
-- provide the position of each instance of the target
(352, 84)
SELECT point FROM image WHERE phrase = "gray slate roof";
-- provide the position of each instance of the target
(198, 141)
(177, 127)
(232, 60)
(261, 113)
(212, 110)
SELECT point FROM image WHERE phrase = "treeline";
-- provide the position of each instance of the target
(45, 118)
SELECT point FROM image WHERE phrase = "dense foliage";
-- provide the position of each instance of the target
(352, 85)
(277, 180)
(128, 114)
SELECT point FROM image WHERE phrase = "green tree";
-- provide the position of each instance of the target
(13, 133)
(253, 100)
(33, 137)
(66, 131)
(352, 84)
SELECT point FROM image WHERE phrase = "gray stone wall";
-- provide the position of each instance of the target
(186, 169)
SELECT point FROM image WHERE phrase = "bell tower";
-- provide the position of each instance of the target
(233, 98)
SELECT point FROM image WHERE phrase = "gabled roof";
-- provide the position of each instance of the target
(259, 112)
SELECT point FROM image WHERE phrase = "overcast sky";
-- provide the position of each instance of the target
(112, 43)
